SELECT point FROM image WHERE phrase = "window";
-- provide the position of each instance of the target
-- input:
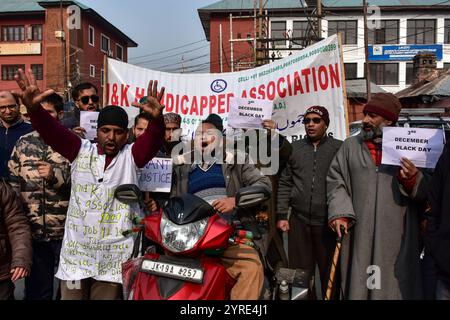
(348, 29)
(9, 71)
(351, 70)
(278, 32)
(409, 73)
(119, 52)
(38, 71)
(421, 31)
(384, 73)
(13, 33)
(105, 44)
(92, 71)
(36, 33)
(301, 30)
(388, 33)
(91, 36)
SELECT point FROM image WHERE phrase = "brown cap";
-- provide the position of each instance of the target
(386, 105)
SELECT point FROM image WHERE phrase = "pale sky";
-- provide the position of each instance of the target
(160, 25)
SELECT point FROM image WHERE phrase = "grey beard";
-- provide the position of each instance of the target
(376, 134)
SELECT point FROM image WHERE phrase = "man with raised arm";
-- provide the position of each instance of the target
(93, 246)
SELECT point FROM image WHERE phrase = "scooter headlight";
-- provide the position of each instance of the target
(181, 238)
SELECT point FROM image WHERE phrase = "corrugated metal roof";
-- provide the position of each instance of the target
(290, 4)
(437, 87)
(384, 3)
(356, 88)
(249, 4)
(28, 5)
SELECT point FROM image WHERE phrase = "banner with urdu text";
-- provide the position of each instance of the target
(312, 76)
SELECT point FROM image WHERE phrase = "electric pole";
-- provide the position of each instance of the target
(319, 19)
(64, 55)
(366, 46)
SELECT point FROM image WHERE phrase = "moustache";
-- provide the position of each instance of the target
(368, 126)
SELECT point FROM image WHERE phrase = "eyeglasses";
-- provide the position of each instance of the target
(85, 99)
(10, 107)
(314, 120)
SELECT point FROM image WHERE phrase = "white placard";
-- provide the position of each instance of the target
(422, 146)
(249, 113)
(88, 121)
(156, 176)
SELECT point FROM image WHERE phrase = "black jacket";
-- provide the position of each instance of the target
(8, 139)
(437, 238)
(71, 118)
(302, 185)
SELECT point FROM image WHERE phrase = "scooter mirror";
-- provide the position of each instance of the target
(128, 194)
(251, 196)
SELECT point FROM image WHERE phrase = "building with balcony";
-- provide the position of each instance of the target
(62, 42)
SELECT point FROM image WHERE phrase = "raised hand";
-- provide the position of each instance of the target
(153, 105)
(269, 124)
(31, 96)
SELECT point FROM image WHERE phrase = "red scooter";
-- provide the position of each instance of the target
(193, 236)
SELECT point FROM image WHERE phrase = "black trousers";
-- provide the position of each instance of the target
(39, 285)
(310, 245)
(6, 290)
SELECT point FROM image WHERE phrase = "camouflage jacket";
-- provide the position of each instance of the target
(45, 202)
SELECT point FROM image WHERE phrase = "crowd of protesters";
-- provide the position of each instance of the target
(391, 218)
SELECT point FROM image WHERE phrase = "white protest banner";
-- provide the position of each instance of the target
(310, 77)
(88, 121)
(132, 113)
(249, 113)
(422, 146)
(156, 176)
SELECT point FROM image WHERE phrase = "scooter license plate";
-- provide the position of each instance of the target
(173, 271)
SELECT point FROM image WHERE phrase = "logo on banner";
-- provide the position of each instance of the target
(219, 86)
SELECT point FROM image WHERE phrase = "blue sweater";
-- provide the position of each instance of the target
(209, 185)
(8, 139)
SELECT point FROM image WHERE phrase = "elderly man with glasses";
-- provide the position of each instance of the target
(12, 127)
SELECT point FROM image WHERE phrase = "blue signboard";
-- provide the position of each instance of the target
(402, 52)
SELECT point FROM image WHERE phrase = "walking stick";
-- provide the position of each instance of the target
(337, 252)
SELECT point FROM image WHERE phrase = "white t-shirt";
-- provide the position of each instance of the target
(93, 244)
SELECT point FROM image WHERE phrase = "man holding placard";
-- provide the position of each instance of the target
(380, 256)
(94, 246)
(86, 99)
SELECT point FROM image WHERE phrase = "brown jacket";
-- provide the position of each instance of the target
(15, 234)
